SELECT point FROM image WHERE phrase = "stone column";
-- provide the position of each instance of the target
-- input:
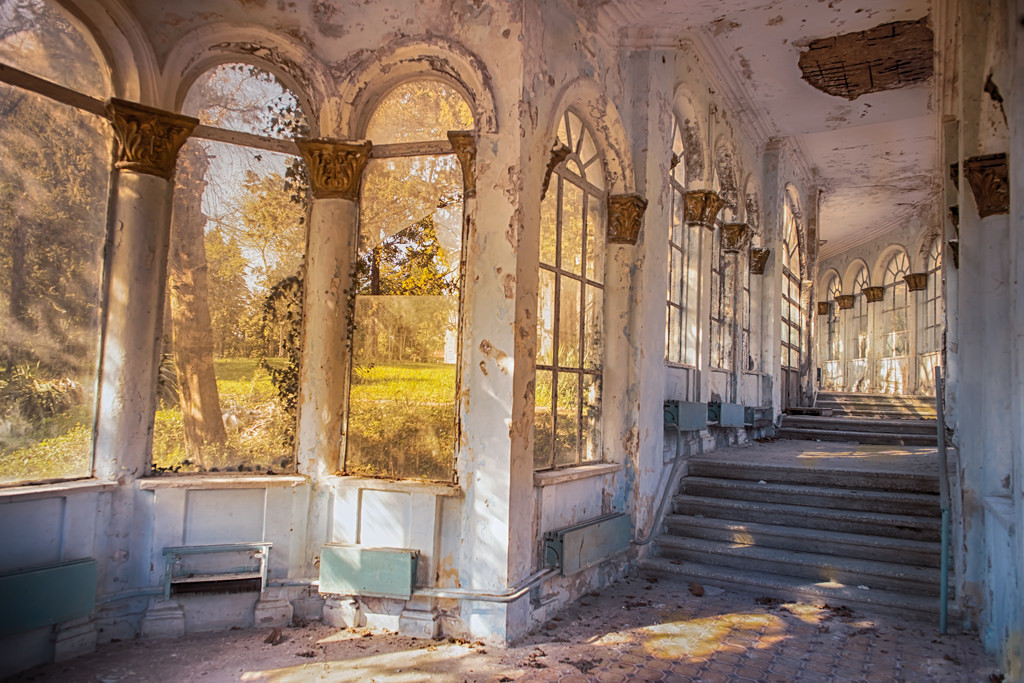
(735, 237)
(335, 171)
(148, 141)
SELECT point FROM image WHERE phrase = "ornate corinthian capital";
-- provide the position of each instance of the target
(734, 237)
(988, 177)
(625, 214)
(916, 282)
(335, 167)
(845, 301)
(758, 260)
(464, 146)
(148, 139)
(874, 294)
(701, 207)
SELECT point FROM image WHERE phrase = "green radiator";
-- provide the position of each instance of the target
(47, 595)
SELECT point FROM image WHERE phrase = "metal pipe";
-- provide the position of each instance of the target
(943, 502)
(467, 594)
(664, 494)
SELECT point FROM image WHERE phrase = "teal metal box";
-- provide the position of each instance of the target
(583, 545)
(689, 415)
(46, 595)
(373, 572)
(725, 414)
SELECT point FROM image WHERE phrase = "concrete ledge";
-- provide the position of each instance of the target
(574, 473)
(222, 481)
(403, 485)
(55, 489)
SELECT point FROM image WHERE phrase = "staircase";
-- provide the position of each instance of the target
(843, 537)
(864, 418)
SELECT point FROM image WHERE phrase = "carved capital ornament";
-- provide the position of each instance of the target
(464, 146)
(916, 282)
(559, 153)
(625, 216)
(823, 307)
(701, 207)
(988, 177)
(758, 259)
(148, 139)
(845, 301)
(734, 237)
(874, 294)
(335, 167)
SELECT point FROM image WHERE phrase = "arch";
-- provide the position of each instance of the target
(588, 101)
(850, 275)
(692, 127)
(827, 277)
(360, 90)
(877, 272)
(751, 196)
(210, 46)
(726, 175)
(919, 260)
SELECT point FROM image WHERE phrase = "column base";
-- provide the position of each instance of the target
(272, 610)
(342, 612)
(164, 619)
(74, 638)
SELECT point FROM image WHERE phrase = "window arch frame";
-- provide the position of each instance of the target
(685, 248)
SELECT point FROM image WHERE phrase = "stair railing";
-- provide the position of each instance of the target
(943, 502)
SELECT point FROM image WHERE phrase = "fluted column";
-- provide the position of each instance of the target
(335, 172)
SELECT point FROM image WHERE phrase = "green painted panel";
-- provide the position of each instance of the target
(583, 545)
(373, 572)
(46, 595)
(689, 415)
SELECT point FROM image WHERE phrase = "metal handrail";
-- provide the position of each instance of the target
(943, 502)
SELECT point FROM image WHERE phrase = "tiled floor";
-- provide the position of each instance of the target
(639, 630)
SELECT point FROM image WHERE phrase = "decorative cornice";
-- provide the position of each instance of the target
(874, 294)
(823, 307)
(558, 154)
(702, 207)
(916, 282)
(734, 237)
(625, 215)
(335, 167)
(464, 146)
(988, 177)
(845, 301)
(758, 259)
(148, 139)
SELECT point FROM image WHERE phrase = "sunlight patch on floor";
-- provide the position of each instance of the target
(439, 663)
(701, 637)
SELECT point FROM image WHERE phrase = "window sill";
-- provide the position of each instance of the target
(221, 481)
(54, 490)
(402, 485)
(551, 477)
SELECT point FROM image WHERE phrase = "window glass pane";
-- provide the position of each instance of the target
(53, 197)
(673, 333)
(402, 415)
(39, 38)
(419, 111)
(549, 223)
(593, 328)
(572, 228)
(543, 420)
(591, 418)
(595, 240)
(228, 395)
(569, 323)
(546, 318)
(567, 420)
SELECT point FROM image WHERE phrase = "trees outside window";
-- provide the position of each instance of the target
(235, 271)
(682, 324)
(570, 307)
(54, 177)
(402, 411)
(895, 342)
(929, 337)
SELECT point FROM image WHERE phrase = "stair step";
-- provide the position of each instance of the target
(837, 477)
(851, 521)
(882, 438)
(849, 424)
(844, 498)
(865, 546)
(759, 583)
(816, 567)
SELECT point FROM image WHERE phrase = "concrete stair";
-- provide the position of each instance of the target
(844, 537)
(864, 418)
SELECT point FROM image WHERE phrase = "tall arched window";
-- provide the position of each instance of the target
(791, 328)
(719, 343)
(54, 177)
(930, 339)
(832, 350)
(682, 332)
(895, 342)
(857, 339)
(229, 369)
(570, 328)
(402, 419)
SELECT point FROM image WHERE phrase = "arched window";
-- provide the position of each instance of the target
(570, 307)
(229, 370)
(402, 419)
(719, 342)
(682, 332)
(835, 346)
(790, 287)
(859, 319)
(54, 178)
(930, 339)
(895, 342)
